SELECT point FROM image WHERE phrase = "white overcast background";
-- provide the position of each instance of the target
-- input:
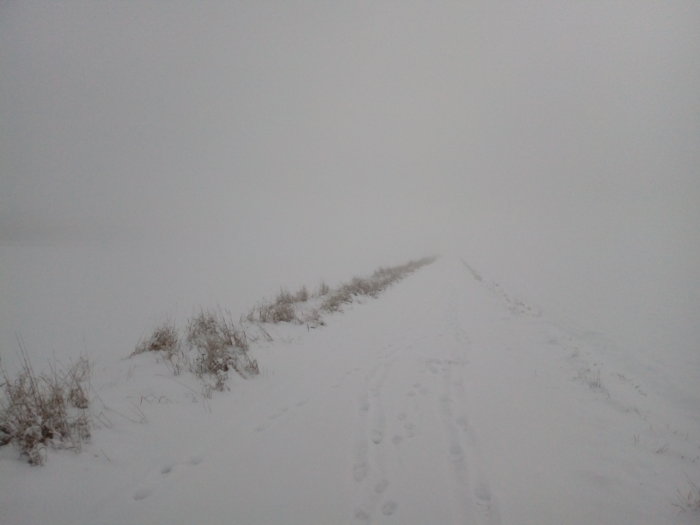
(157, 157)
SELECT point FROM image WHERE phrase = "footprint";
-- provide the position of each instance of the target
(389, 508)
(462, 423)
(196, 460)
(377, 436)
(167, 469)
(456, 452)
(362, 515)
(142, 493)
(483, 493)
(359, 472)
(410, 429)
(381, 486)
(279, 413)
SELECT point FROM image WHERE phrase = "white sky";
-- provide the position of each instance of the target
(556, 143)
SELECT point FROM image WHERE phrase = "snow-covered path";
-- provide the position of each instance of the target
(443, 401)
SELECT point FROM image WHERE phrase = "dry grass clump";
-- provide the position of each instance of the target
(212, 347)
(287, 306)
(277, 312)
(358, 286)
(312, 318)
(284, 297)
(219, 347)
(334, 300)
(689, 501)
(38, 411)
(370, 286)
(302, 295)
(281, 310)
(323, 289)
(163, 339)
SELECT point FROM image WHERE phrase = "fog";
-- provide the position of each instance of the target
(156, 157)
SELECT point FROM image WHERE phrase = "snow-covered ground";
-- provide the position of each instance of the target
(445, 400)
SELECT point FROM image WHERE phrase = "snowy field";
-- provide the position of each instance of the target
(158, 159)
(445, 400)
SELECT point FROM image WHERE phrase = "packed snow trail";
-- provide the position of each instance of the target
(443, 401)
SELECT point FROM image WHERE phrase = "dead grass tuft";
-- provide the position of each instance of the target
(163, 339)
(281, 310)
(323, 289)
(48, 410)
(689, 501)
(302, 295)
(370, 286)
(220, 347)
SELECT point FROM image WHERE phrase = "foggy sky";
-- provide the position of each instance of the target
(556, 143)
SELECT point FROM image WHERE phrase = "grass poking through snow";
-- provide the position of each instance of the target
(38, 411)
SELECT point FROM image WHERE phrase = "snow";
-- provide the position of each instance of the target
(445, 400)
